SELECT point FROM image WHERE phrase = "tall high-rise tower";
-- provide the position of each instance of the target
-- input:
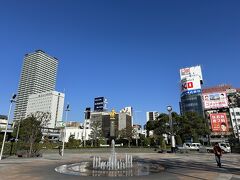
(38, 75)
(191, 90)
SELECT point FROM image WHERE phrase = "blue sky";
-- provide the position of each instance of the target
(129, 51)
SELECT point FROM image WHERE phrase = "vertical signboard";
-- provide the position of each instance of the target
(219, 122)
(194, 71)
(99, 104)
(190, 85)
(191, 80)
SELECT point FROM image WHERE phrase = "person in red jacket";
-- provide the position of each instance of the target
(218, 153)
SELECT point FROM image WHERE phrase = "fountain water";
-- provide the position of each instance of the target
(112, 166)
(113, 163)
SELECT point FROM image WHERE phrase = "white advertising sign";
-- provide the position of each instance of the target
(127, 110)
(191, 72)
(215, 100)
(190, 85)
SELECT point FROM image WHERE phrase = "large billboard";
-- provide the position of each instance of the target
(233, 97)
(190, 85)
(215, 100)
(100, 104)
(219, 122)
(191, 72)
(128, 110)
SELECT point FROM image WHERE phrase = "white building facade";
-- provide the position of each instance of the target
(50, 102)
(235, 118)
(3, 123)
(151, 115)
(79, 134)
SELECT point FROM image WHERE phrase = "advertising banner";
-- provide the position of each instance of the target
(190, 85)
(191, 72)
(219, 122)
(99, 103)
(215, 100)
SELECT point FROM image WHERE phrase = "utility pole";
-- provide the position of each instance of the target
(169, 109)
(64, 131)
(5, 133)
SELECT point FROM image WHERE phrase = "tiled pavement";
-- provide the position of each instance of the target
(177, 166)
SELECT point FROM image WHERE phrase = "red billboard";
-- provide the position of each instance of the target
(219, 122)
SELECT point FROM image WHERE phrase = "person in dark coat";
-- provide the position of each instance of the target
(218, 153)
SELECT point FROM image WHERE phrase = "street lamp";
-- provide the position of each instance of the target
(84, 133)
(87, 116)
(169, 109)
(64, 131)
(136, 134)
(9, 113)
(16, 139)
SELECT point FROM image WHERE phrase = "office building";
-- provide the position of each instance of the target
(152, 115)
(235, 120)
(128, 110)
(3, 121)
(191, 81)
(124, 121)
(191, 103)
(38, 75)
(49, 102)
(76, 132)
(221, 115)
(73, 124)
(110, 125)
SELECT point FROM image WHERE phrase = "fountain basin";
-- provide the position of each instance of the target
(139, 168)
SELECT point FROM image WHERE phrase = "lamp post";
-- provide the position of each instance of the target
(64, 131)
(86, 116)
(16, 139)
(135, 119)
(9, 113)
(84, 133)
(169, 109)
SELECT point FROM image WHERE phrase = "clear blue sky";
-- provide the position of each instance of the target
(129, 51)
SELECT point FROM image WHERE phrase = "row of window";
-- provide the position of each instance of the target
(236, 113)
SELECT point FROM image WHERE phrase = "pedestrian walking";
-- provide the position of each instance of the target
(218, 153)
(60, 150)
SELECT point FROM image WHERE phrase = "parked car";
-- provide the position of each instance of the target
(225, 147)
(190, 146)
(195, 146)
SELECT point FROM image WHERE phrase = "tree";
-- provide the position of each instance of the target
(1, 135)
(150, 126)
(162, 143)
(144, 141)
(96, 133)
(127, 133)
(72, 142)
(193, 126)
(178, 140)
(162, 125)
(190, 125)
(30, 129)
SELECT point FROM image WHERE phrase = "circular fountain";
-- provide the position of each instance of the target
(112, 166)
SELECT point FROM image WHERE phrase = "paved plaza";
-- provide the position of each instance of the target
(176, 166)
